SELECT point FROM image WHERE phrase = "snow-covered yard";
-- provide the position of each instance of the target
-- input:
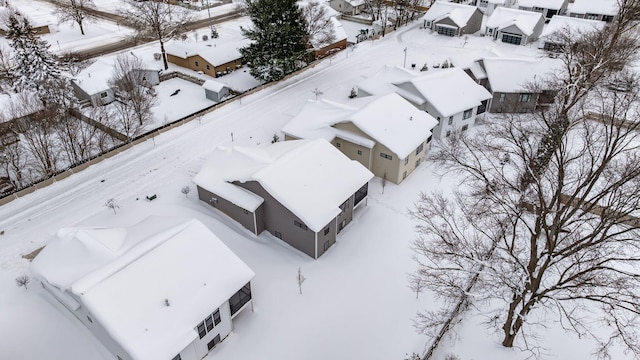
(355, 302)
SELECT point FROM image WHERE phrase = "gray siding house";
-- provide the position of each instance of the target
(302, 192)
(452, 19)
(603, 10)
(512, 26)
(548, 8)
(128, 286)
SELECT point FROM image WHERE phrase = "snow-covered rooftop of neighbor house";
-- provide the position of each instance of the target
(449, 91)
(36, 14)
(470, 60)
(545, 4)
(300, 174)
(95, 77)
(149, 284)
(213, 85)
(575, 25)
(515, 75)
(458, 13)
(388, 119)
(603, 7)
(503, 17)
(216, 54)
(381, 82)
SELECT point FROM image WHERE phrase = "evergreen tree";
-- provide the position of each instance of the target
(279, 38)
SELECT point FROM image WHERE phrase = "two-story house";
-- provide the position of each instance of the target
(561, 27)
(303, 192)
(604, 10)
(164, 288)
(548, 8)
(452, 19)
(489, 6)
(386, 133)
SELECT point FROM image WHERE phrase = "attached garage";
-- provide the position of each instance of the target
(446, 30)
(514, 39)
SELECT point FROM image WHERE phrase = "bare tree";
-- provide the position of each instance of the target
(320, 26)
(5, 66)
(132, 87)
(186, 190)
(159, 20)
(22, 280)
(78, 139)
(112, 204)
(78, 11)
(300, 279)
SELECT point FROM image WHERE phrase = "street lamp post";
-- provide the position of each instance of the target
(405, 58)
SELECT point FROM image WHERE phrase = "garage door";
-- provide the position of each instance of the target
(512, 39)
(446, 31)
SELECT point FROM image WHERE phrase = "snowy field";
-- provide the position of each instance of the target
(356, 303)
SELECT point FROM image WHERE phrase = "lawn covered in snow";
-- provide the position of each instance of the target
(355, 302)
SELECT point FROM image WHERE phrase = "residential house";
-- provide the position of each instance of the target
(40, 22)
(207, 57)
(303, 192)
(568, 26)
(348, 7)
(215, 90)
(93, 83)
(489, 6)
(452, 19)
(548, 8)
(470, 62)
(519, 85)
(382, 82)
(604, 10)
(386, 134)
(514, 26)
(164, 288)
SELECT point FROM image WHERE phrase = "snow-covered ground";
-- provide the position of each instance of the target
(355, 305)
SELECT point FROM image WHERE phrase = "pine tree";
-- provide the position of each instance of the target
(279, 38)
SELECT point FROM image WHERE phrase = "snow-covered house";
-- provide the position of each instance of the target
(514, 26)
(548, 8)
(209, 58)
(382, 82)
(303, 192)
(164, 288)
(519, 85)
(215, 90)
(452, 19)
(348, 7)
(569, 25)
(386, 134)
(604, 10)
(489, 6)
(470, 62)
(93, 83)
(40, 21)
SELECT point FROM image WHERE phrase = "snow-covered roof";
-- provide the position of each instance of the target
(214, 86)
(14, 105)
(95, 77)
(460, 14)
(449, 91)
(471, 60)
(381, 82)
(215, 54)
(515, 75)
(602, 7)
(388, 119)
(124, 275)
(503, 17)
(575, 25)
(311, 178)
(545, 4)
(36, 16)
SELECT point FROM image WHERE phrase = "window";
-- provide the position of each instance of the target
(525, 97)
(389, 157)
(196, 63)
(338, 145)
(239, 299)
(216, 317)
(103, 95)
(277, 234)
(202, 331)
(359, 152)
(419, 149)
(88, 318)
(417, 162)
(404, 175)
(502, 97)
(177, 357)
(448, 133)
(245, 211)
(326, 230)
(300, 225)
(208, 67)
(406, 161)
(467, 114)
(325, 246)
(429, 139)
(591, 16)
(209, 322)
(213, 201)
(465, 127)
(607, 18)
(215, 341)
(538, 9)
(450, 120)
(343, 206)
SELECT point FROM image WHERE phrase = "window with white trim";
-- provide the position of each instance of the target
(467, 114)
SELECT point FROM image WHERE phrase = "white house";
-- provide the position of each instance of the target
(569, 25)
(449, 95)
(382, 81)
(488, 6)
(604, 10)
(348, 7)
(452, 19)
(365, 127)
(514, 26)
(164, 288)
(548, 8)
